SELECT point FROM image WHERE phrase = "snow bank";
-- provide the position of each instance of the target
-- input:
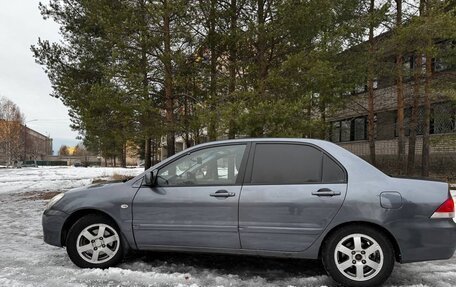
(55, 178)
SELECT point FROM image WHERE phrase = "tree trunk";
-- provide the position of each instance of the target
(212, 130)
(323, 132)
(261, 62)
(414, 116)
(147, 154)
(145, 86)
(427, 117)
(400, 98)
(186, 123)
(153, 152)
(169, 100)
(232, 66)
(370, 88)
(261, 48)
(123, 160)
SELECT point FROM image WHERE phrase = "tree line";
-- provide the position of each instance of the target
(142, 70)
(12, 140)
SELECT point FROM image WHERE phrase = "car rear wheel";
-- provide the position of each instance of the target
(94, 241)
(358, 256)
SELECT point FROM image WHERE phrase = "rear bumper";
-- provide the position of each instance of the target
(433, 239)
(52, 221)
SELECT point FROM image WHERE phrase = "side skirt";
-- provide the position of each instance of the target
(265, 253)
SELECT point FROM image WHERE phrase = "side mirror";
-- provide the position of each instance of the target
(149, 178)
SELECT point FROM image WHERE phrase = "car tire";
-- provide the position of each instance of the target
(87, 248)
(358, 256)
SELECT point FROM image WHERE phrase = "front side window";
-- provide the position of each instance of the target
(286, 164)
(211, 166)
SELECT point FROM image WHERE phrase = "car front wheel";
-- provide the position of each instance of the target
(94, 242)
(358, 256)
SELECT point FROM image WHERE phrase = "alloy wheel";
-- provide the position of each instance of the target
(358, 257)
(97, 243)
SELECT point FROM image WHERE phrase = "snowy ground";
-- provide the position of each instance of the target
(26, 261)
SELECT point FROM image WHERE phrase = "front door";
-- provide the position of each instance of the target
(194, 202)
(291, 193)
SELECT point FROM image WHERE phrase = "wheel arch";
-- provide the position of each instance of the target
(75, 216)
(384, 231)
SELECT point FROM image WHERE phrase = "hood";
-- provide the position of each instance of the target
(95, 186)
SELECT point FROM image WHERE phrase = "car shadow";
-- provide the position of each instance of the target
(246, 267)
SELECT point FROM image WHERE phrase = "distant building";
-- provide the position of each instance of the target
(22, 143)
(348, 126)
(37, 146)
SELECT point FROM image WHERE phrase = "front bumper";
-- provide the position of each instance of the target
(52, 222)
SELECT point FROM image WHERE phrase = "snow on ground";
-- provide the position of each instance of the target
(25, 260)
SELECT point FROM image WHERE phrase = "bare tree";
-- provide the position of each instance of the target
(11, 130)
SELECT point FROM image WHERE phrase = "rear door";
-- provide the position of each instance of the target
(291, 193)
(195, 201)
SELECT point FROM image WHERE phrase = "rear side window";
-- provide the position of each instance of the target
(332, 172)
(286, 164)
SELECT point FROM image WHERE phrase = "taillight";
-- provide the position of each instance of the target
(446, 210)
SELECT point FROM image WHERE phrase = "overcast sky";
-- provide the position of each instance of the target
(21, 79)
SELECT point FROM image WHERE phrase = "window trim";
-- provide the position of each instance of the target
(241, 174)
(250, 162)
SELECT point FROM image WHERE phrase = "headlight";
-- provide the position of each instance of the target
(54, 200)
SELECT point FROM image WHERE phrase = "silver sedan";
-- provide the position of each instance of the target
(271, 197)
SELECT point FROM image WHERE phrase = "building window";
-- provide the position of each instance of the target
(420, 123)
(349, 130)
(360, 89)
(439, 65)
(345, 132)
(443, 118)
(408, 65)
(335, 132)
(375, 84)
(359, 128)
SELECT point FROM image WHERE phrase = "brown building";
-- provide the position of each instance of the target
(37, 146)
(20, 143)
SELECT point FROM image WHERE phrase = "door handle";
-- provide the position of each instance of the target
(222, 193)
(325, 192)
